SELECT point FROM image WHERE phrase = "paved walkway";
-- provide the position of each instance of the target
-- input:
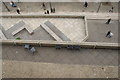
(25, 69)
(73, 28)
(94, 22)
(67, 8)
(51, 55)
(63, 7)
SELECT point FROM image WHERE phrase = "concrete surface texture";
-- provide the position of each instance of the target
(97, 30)
(73, 28)
(23, 69)
(62, 56)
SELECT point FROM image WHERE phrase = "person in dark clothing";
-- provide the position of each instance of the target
(108, 21)
(43, 5)
(108, 33)
(85, 4)
(13, 4)
(18, 11)
(47, 12)
(53, 10)
(111, 9)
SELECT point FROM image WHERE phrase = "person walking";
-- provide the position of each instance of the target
(33, 50)
(111, 9)
(85, 4)
(108, 21)
(13, 4)
(18, 10)
(109, 34)
(43, 6)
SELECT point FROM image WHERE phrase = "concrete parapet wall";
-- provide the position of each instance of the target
(40, 16)
(86, 30)
(97, 16)
(64, 44)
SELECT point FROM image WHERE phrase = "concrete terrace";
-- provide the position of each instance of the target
(49, 62)
(73, 28)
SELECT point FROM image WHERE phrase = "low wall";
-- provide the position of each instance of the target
(93, 45)
(40, 16)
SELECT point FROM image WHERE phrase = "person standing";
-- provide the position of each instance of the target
(47, 11)
(53, 10)
(108, 21)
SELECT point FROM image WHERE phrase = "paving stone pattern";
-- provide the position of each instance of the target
(73, 28)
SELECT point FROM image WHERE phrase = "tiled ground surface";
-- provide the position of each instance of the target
(97, 30)
(73, 28)
(51, 55)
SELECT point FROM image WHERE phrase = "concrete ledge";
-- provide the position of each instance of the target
(41, 15)
(20, 26)
(2, 36)
(28, 28)
(86, 30)
(93, 45)
(17, 31)
(89, 15)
